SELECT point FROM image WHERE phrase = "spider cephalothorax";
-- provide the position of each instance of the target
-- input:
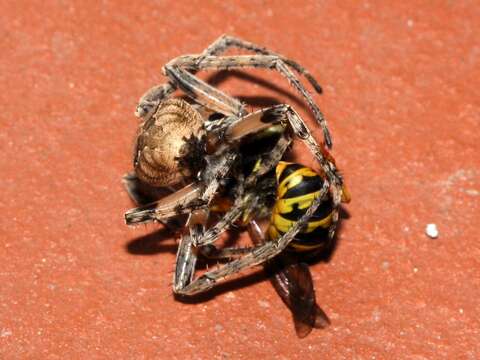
(222, 154)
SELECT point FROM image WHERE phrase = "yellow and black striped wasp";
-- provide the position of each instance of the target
(297, 186)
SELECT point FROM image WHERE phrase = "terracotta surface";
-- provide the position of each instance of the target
(401, 93)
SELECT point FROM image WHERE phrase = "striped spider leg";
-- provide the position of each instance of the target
(181, 72)
(201, 91)
(256, 256)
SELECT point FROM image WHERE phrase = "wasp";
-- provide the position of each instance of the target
(297, 187)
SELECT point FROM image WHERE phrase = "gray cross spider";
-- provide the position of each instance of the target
(214, 151)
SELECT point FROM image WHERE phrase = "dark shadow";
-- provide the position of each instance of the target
(344, 213)
(219, 77)
(224, 287)
(150, 244)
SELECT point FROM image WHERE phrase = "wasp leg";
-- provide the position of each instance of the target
(257, 256)
(262, 61)
(225, 41)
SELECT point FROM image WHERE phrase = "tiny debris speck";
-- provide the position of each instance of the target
(431, 231)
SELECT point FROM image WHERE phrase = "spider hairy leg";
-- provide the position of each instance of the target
(327, 164)
(258, 256)
(224, 42)
(204, 93)
(185, 264)
(244, 205)
(211, 252)
(261, 61)
(152, 98)
(180, 202)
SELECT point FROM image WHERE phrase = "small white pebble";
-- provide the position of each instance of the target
(431, 231)
(472, 192)
(5, 332)
(264, 304)
(230, 295)
(376, 315)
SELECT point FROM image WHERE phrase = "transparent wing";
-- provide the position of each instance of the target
(294, 285)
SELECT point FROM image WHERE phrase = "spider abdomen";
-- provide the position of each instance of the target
(298, 186)
(161, 142)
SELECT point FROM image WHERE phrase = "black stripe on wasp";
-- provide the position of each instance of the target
(211, 150)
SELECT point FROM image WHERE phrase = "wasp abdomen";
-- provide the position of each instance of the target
(298, 186)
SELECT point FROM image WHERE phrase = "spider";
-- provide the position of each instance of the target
(212, 150)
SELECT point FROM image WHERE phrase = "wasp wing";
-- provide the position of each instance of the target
(294, 285)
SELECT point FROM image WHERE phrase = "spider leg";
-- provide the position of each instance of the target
(202, 92)
(149, 101)
(142, 193)
(211, 252)
(243, 205)
(190, 197)
(225, 41)
(293, 282)
(212, 234)
(258, 255)
(218, 172)
(281, 114)
(185, 263)
(180, 202)
(328, 167)
(262, 61)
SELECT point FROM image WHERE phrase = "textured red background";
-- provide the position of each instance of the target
(401, 93)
